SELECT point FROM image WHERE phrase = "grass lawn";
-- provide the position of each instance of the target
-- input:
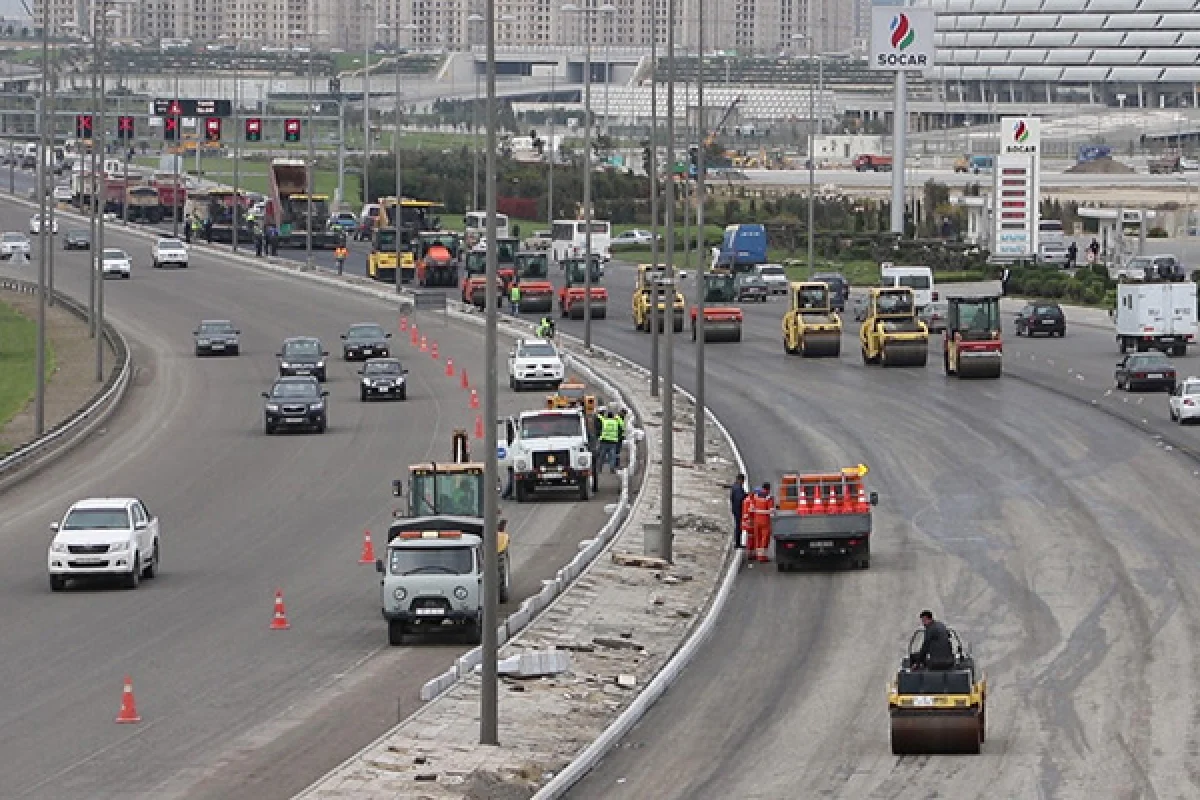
(18, 361)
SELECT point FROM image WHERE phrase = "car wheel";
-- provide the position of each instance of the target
(473, 633)
(134, 576)
(268, 428)
(57, 583)
(584, 494)
(404, 394)
(234, 351)
(321, 426)
(521, 492)
(395, 633)
(151, 569)
(362, 395)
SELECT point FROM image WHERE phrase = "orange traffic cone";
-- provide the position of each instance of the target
(479, 426)
(403, 324)
(424, 345)
(128, 711)
(433, 352)
(368, 551)
(280, 622)
(465, 383)
(449, 367)
(474, 400)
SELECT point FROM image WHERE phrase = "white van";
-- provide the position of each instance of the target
(919, 279)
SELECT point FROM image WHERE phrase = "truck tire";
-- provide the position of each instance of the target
(584, 494)
(395, 633)
(134, 576)
(57, 583)
(520, 491)
(473, 633)
(505, 579)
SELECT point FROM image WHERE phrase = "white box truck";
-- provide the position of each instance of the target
(919, 279)
(1156, 316)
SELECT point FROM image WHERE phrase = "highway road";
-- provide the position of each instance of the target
(1056, 538)
(231, 709)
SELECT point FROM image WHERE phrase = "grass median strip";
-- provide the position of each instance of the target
(18, 362)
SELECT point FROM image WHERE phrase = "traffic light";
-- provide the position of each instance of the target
(253, 129)
(125, 129)
(212, 129)
(171, 129)
(83, 126)
(291, 130)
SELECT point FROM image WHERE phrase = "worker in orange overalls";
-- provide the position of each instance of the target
(763, 503)
(748, 525)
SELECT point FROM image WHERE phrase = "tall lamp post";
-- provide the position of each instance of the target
(571, 8)
(312, 149)
(367, 29)
(698, 451)
(45, 143)
(473, 21)
(812, 157)
(105, 12)
(396, 143)
(653, 166)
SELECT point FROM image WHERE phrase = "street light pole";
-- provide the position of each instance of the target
(237, 149)
(812, 157)
(587, 191)
(93, 185)
(653, 167)
(698, 434)
(175, 163)
(488, 723)
(44, 230)
(312, 164)
(666, 510)
(550, 161)
(473, 21)
(98, 135)
(366, 108)
(396, 143)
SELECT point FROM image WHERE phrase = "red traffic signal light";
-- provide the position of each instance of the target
(253, 129)
(291, 130)
(83, 126)
(212, 129)
(125, 129)
(171, 129)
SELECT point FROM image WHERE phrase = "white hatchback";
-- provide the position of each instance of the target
(14, 244)
(105, 537)
(116, 263)
(35, 224)
(534, 361)
(1184, 402)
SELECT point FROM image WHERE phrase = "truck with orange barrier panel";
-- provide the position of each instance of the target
(823, 516)
(574, 289)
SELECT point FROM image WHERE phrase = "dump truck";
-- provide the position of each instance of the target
(823, 517)
(289, 207)
(938, 711)
(810, 325)
(223, 208)
(869, 162)
(649, 277)
(437, 256)
(722, 322)
(971, 345)
(444, 516)
(533, 276)
(572, 294)
(143, 204)
(381, 261)
(891, 334)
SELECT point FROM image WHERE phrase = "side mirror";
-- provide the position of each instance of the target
(379, 566)
(397, 488)
(343, 336)
(279, 355)
(195, 333)
(362, 372)
(1120, 363)
(239, 333)
(404, 372)
(266, 394)
(325, 393)
(54, 527)
(387, 336)
(873, 498)
(140, 526)
(324, 352)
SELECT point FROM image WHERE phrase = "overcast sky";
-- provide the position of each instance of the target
(12, 9)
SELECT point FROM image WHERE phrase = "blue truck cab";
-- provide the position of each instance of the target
(743, 247)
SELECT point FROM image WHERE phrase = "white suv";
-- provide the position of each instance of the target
(534, 361)
(167, 251)
(105, 537)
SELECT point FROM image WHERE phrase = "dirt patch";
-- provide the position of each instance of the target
(1100, 166)
(72, 384)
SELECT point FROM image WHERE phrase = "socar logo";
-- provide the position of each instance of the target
(902, 32)
(1020, 131)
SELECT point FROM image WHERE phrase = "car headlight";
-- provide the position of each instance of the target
(272, 407)
(366, 381)
(522, 465)
(320, 365)
(400, 593)
(585, 460)
(319, 406)
(58, 547)
(460, 592)
(203, 341)
(118, 547)
(285, 365)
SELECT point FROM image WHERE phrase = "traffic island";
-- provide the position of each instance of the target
(579, 665)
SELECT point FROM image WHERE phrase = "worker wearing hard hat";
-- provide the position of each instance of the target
(763, 503)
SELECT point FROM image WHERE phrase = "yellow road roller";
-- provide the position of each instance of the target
(810, 326)
(891, 334)
(938, 711)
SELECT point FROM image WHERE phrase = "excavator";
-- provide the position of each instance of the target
(532, 269)
(971, 347)
(810, 325)
(722, 323)
(650, 275)
(574, 289)
(938, 711)
(891, 334)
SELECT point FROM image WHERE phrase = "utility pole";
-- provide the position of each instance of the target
(701, 269)
(366, 115)
(98, 136)
(666, 533)
(45, 230)
(312, 164)
(237, 149)
(587, 190)
(488, 723)
(176, 158)
(653, 166)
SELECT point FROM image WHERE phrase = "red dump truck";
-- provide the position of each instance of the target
(868, 162)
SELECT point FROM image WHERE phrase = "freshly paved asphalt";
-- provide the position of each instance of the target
(230, 708)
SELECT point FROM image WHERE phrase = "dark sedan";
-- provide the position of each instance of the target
(77, 239)
(365, 340)
(295, 403)
(751, 287)
(217, 337)
(1041, 318)
(302, 355)
(839, 288)
(1145, 371)
(383, 377)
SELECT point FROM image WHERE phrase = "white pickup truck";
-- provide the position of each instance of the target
(168, 251)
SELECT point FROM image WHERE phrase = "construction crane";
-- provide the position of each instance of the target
(712, 136)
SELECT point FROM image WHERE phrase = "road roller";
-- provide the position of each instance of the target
(938, 711)
(810, 326)
(891, 334)
(971, 346)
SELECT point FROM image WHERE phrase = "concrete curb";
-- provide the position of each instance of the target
(28, 459)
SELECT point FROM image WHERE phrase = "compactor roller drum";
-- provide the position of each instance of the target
(969, 369)
(948, 733)
(905, 354)
(821, 347)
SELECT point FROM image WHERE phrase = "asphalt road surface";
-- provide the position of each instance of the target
(1056, 538)
(230, 708)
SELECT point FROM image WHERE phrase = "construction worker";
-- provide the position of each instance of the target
(340, 254)
(621, 425)
(610, 440)
(737, 499)
(937, 652)
(545, 328)
(762, 503)
(514, 299)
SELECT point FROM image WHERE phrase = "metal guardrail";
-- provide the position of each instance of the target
(68, 432)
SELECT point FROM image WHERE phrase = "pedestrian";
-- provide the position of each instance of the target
(1072, 255)
(340, 254)
(187, 231)
(514, 299)
(610, 440)
(763, 503)
(621, 425)
(937, 652)
(737, 496)
(1004, 283)
(258, 241)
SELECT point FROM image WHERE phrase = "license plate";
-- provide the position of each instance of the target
(552, 473)
(430, 612)
(218, 347)
(302, 371)
(821, 544)
(1047, 322)
(1155, 375)
(294, 420)
(367, 351)
(91, 562)
(923, 701)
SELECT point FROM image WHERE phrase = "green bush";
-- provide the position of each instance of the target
(1157, 233)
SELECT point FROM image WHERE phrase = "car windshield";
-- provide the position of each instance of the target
(216, 327)
(109, 519)
(1139, 262)
(433, 560)
(304, 347)
(77, 234)
(13, 237)
(812, 297)
(365, 332)
(537, 351)
(981, 317)
(550, 425)
(1191, 388)
(895, 304)
(170, 244)
(914, 281)
(382, 368)
(448, 493)
(1051, 311)
(771, 271)
(1149, 361)
(117, 254)
(294, 389)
